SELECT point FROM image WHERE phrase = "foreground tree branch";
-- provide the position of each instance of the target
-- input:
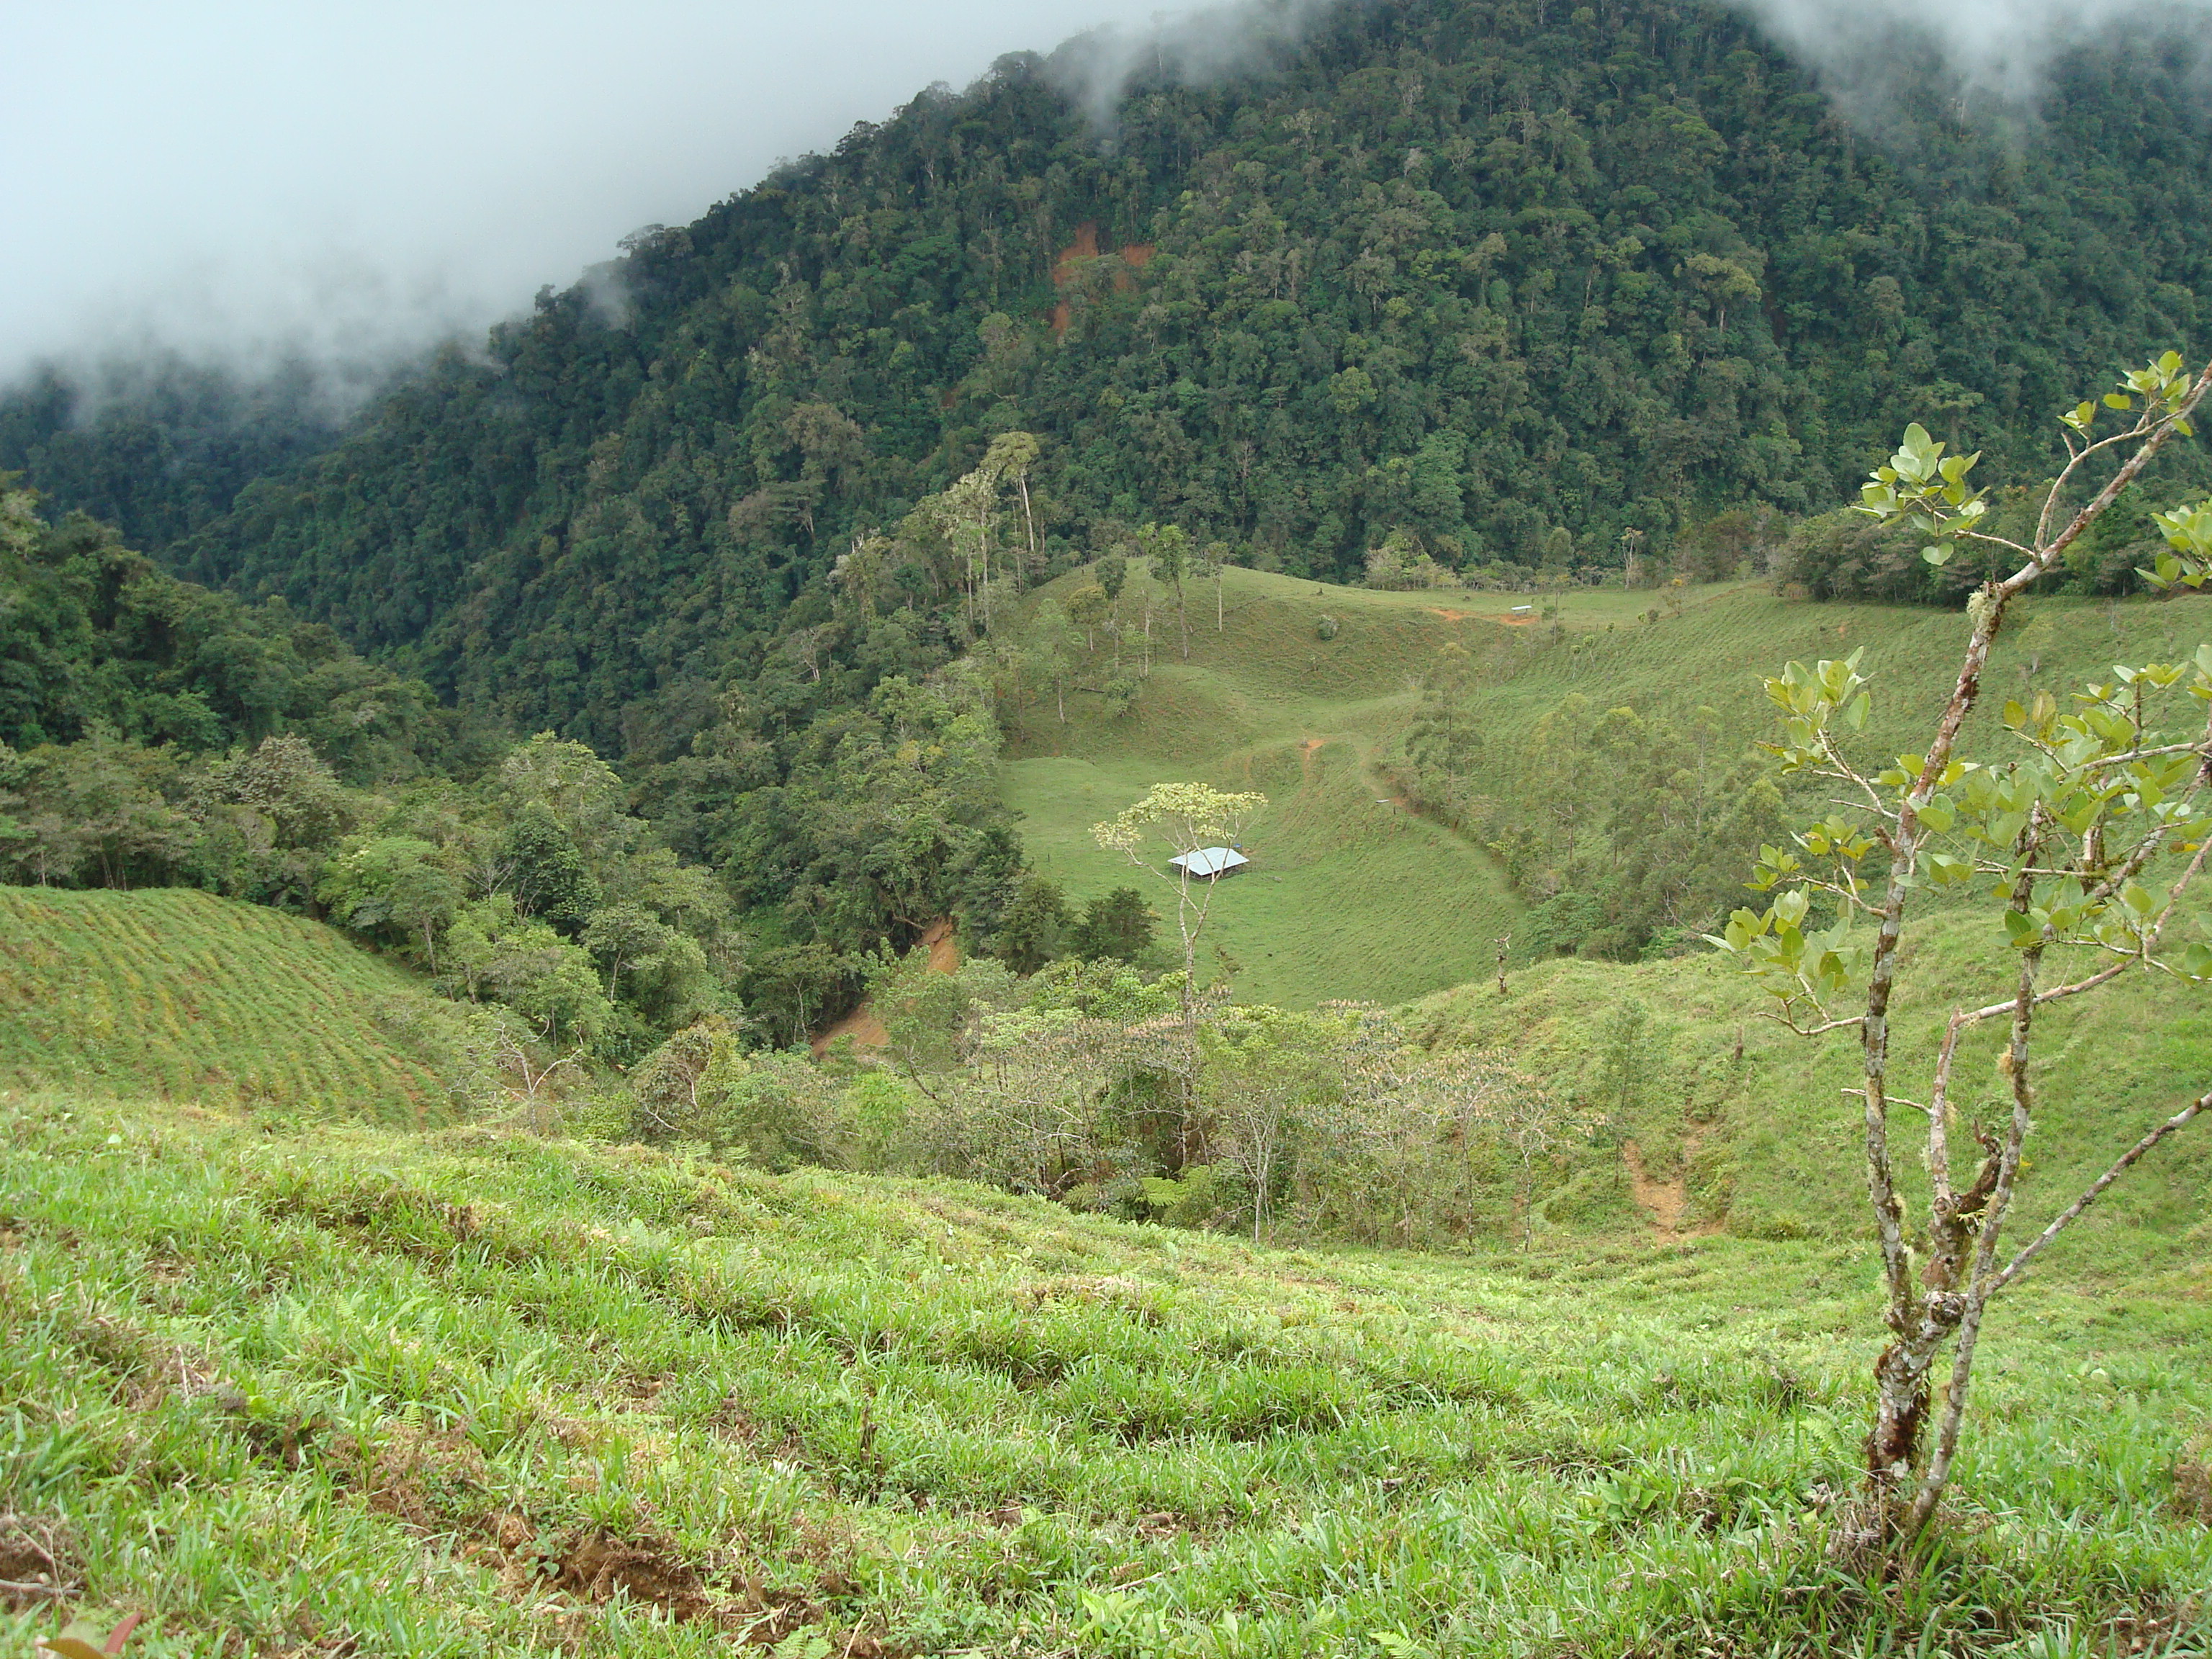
(2063, 836)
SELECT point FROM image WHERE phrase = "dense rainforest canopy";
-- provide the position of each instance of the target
(155, 733)
(1519, 284)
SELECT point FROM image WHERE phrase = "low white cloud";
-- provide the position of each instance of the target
(353, 179)
(1244, 36)
(1999, 53)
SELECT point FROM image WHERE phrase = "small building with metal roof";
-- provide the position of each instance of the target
(1210, 863)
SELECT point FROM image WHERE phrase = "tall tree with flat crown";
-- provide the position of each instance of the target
(1187, 818)
(1170, 551)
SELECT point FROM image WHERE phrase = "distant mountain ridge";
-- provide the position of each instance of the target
(1515, 284)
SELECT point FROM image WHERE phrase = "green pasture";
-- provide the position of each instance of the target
(193, 997)
(1748, 1125)
(1345, 890)
(1347, 897)
(472, 1393)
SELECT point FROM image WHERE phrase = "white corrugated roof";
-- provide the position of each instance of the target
(1210, 860)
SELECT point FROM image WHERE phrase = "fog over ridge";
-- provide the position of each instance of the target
(2001, 52)
(249, 182)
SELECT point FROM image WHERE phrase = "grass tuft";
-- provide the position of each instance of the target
(470, 1393)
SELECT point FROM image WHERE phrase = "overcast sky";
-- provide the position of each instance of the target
(232, 173)
(356, 177)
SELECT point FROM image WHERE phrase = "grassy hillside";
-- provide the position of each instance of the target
(1348, 897)
(196, 998)
(1711, 1117)
(465, 1394)
(1705, 1116)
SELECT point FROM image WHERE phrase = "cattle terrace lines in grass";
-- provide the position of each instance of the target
(201, 999)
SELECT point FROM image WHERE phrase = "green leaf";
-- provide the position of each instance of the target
(1947, 870)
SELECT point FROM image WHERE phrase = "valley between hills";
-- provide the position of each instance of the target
(601, 1051)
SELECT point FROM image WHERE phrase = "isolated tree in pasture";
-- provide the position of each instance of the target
(1112, 573)
(1216, 559)
(2082, 840)
(1184, 817)
(1441, 739)
(1169, 548)
(1086, 608)
(1052, 645)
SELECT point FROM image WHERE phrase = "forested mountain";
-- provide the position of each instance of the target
(156, 734)
(1521, 285)
(160, 447)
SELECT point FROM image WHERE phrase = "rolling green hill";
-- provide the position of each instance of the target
(476, 1393)
(187, 996)
(1713, 1118)
(1347, 898)
(1348, 895)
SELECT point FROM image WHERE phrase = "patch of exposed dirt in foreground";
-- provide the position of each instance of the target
(1665, 1201)
(36, 1568)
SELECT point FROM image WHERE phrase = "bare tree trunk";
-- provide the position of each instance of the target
(983, 542)
(1028, 518)
(1187, 1083)
(1528, 1200)
(1262, 1167)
